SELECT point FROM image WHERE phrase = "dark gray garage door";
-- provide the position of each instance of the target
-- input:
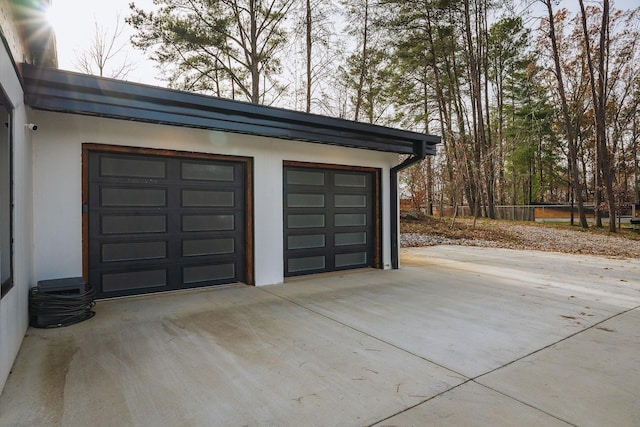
(329, 220)
(159, 223)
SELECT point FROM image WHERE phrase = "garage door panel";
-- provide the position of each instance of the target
(199, 198)
(304, 178)
(208, 273)
(204, 247)
(131, 167)
(133, 251)
(306, 221)
(350, 220)
(132, 224)
(164, 223)
(213, 222)
(205, 171)
(306, 241)
(208, 259)
(351, 180)
(132, 197)
(307, 264)
(305, 200)
(350, 238)
(133, 280)
(351, 259)
(350, 201)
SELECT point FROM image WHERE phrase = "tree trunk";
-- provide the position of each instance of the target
(500, 106)
(598, 95)
(597, 186)
(363, 64)
(474, 53)
(429, 165)
(309, 46)
(636, 162)
(573, 154)
(607, 172)
(254, 63)
(489, 158)
(444, 112)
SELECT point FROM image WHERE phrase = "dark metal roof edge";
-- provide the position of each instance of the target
(73, 88)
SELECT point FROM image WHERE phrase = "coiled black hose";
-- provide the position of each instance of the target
(53, 310)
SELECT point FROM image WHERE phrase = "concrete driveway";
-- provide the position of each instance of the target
(458, 336)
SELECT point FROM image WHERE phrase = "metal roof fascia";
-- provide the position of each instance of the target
(67, 92)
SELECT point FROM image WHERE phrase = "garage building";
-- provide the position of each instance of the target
(139, 189)
(144, 189)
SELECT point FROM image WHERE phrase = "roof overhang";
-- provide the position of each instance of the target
(67, 92)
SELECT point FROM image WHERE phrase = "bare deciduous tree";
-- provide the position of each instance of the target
(106, 45)
(573, 155)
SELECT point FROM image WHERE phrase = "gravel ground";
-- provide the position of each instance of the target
(542, 239)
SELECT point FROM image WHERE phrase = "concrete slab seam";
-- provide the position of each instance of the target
(366, 334)
(408, 408)
(524, 403)
(557, 342)
(537, 351)
(473, 380)
(459, 385)
(468, 380)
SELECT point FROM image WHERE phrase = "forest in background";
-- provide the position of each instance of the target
(534, 103)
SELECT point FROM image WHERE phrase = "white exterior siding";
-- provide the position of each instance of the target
(58, 182)
(14, 316)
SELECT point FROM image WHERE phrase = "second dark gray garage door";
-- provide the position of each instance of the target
(329, 219)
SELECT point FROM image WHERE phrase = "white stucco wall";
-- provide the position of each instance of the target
(14, 315)
(58, 187)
